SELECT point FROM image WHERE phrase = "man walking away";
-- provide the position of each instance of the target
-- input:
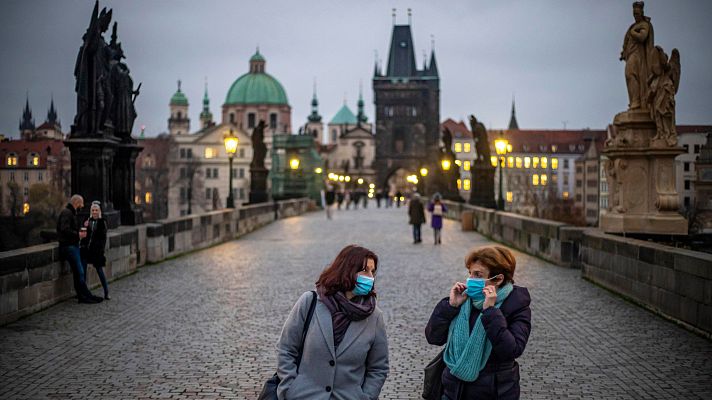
(417, 216)
(329, 199)
(69, 235)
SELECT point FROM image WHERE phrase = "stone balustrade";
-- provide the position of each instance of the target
(34, 278)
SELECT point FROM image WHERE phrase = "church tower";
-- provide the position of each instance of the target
(179, 123)
(314, 125)
(27, 123)
(513, 125)
(206, 117)
(407, 103)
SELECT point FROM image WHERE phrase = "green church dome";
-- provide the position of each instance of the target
(256, 86)
(178, 98)
(344, 117)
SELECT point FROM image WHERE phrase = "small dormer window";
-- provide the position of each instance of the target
(33, 160)
(12, 160)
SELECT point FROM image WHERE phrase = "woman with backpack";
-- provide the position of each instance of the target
(437, 210)
(342, 353)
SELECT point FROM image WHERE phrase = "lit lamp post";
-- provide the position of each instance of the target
(231, 142)
(502, 147)
(294, 163)
(423, 173)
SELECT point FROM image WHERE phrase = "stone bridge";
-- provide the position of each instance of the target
(204, 325)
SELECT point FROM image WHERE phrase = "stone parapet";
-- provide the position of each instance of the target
(34, 278)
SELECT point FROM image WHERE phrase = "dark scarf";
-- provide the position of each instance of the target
(343, 311)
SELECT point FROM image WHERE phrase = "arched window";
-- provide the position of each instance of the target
(232, 118)
(179, 115)
(149, 161)
(12, 160)
(33, 160)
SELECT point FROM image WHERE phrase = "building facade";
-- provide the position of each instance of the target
(463, 145)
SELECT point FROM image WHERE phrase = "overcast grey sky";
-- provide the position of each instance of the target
(559, 58)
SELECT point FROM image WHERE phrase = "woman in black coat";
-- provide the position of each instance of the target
(92, 246)
(485, 325)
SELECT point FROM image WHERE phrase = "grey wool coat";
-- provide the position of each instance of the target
(356, 370)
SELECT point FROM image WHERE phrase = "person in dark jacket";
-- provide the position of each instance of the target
(329, 200)
(417, 216)
(484, 325)
(93, 244)
(69, 234)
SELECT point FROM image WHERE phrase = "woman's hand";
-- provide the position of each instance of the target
(457, 294)
(490, 296)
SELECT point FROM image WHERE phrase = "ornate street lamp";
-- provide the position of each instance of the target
(231, 143)
(446, 164)
(294, 163)
(423, 172)
(502, 147)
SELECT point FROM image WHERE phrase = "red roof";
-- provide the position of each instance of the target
(23, 149)
(458, 129)
(549, 141)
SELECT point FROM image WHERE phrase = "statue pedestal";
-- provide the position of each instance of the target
(643, 198)
(124, 183)
(258, 185)
(482, 189)
(92, 174)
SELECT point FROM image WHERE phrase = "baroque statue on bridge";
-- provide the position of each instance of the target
(479, 132)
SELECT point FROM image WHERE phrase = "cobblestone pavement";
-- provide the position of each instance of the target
(204, 325)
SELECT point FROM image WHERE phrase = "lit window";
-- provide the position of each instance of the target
(459, 184)
(458, 162)
(535, 162)
(466, 166)
(566, 195)
(535, 180)
(543, 179)
(211, 152)
(527, 162)
(554, 163)
(544, 162)
(149, 198)
(137, 199)
(553, 148)
(11, 160)
(466, 184)
(519, 162)
(493, 160)
(467, 148)
(33, 160)
(26, 208)
(458, 147)
(510, 197)
(510, 162)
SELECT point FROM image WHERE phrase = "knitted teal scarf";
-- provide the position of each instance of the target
(466, 354)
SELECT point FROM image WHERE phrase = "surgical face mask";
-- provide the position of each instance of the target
(364, 284)
(475, 286)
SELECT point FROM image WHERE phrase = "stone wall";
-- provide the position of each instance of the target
(553, 241)
(674, 283)
(34, 278)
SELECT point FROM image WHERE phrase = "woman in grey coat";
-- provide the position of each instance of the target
(345, 354)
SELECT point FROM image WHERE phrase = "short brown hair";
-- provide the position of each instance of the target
(340, 276)
(498, 259)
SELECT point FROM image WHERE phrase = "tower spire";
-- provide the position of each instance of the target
(52, 113)
(206, 117)
(314, 116)
(361, 116)
(513, 125)
(27, 123)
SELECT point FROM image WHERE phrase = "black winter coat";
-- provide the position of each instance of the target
(67, 227)
(92, 246)
(416, 212)
(507, 328)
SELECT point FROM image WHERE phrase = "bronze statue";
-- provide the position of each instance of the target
(447, 140)
(259, 149)
(664, 83)
(638, 48)
(91, 71)
(479, 133)
(123, 112)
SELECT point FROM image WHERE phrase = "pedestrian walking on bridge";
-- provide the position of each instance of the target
(416, 213)
(484, 325)
(344, 354)
(437, 210)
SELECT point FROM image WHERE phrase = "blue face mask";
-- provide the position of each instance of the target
(364, 284)
(475, 286)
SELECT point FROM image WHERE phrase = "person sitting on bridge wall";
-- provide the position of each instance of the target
(485, 325)
(345, 352)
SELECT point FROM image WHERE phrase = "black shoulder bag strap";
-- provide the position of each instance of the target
(306, 327)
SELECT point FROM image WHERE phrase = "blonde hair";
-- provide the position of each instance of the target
(97, 205)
